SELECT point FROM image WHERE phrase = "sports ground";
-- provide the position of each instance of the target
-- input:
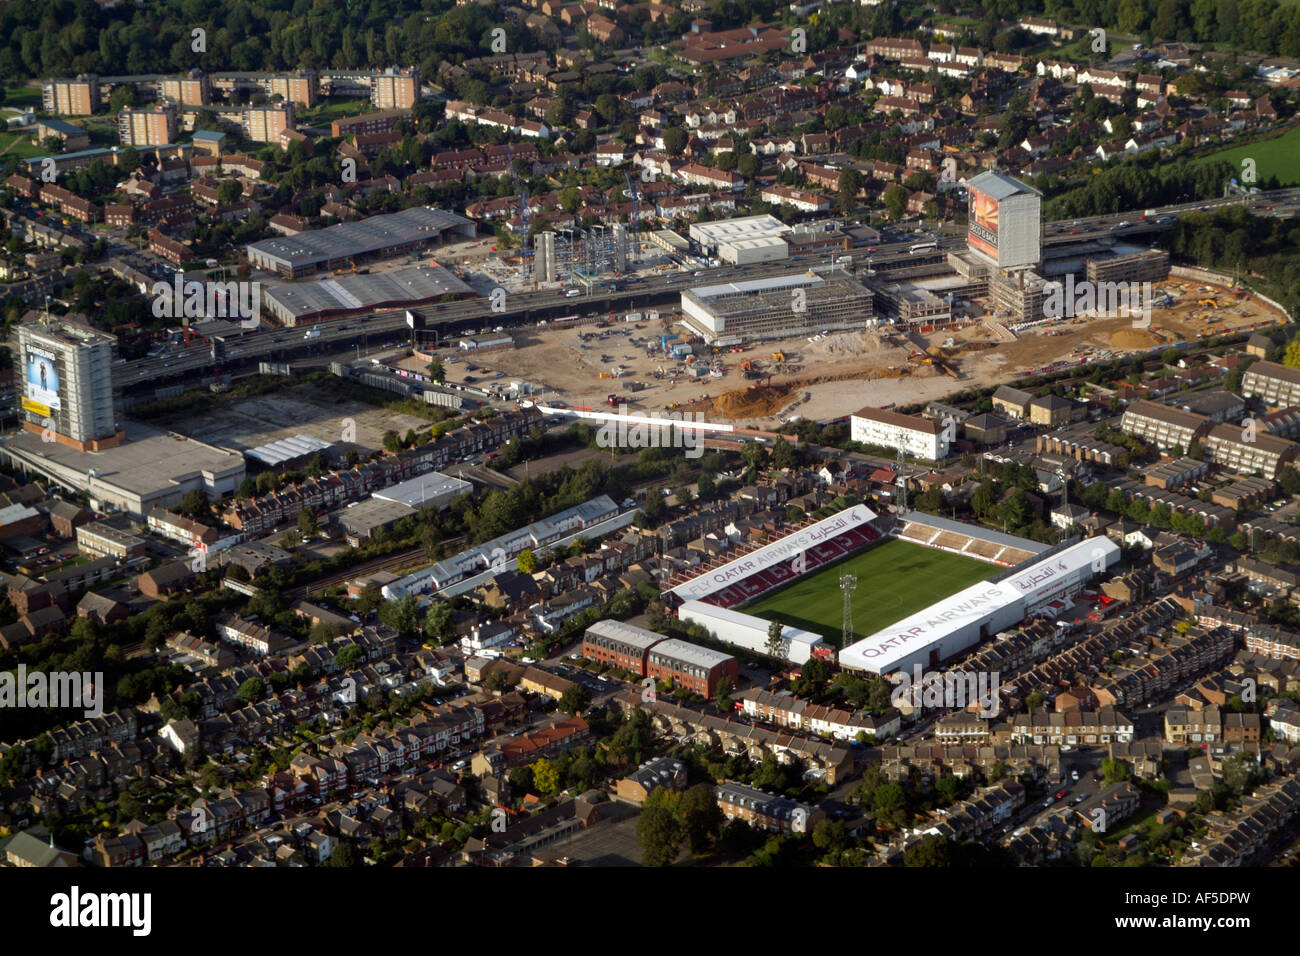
(895, 579)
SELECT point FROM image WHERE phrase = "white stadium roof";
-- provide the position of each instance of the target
(1020, 590)
(772, 554)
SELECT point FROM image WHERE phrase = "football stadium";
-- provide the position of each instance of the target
(927, 588)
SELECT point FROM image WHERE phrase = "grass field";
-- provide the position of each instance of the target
(1273, 157)
(895, 579)
(20, 145)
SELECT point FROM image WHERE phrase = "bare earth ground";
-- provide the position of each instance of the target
(850, 370)
(299, 411)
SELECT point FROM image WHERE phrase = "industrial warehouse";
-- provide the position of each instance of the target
(339, 296)
(348, 243)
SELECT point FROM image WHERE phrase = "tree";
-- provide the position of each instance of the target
(895, 199)
(437, 622)
(307, 523)
(1115, 771)
(323, 632)
(775, 643)
(659, 833)
(575, 699)
(701, 817)
(251, 690)
(849, 185)
(546, 777)
(350, 656)
(437, 371)
(229, 191)
(402, 615)
(193, 505)
(932, 851)
(527, 561)
(674, 140)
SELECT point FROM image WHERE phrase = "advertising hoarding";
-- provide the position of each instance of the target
(982, 233)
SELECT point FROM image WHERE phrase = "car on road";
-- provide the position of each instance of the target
(1074, 775)
(1060, 794)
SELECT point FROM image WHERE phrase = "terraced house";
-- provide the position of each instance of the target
(1072, 728)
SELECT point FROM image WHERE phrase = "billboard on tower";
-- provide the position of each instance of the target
(982, 233)
(42, 385)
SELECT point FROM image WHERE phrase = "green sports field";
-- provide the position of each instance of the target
(895, 578)
(1273, 157)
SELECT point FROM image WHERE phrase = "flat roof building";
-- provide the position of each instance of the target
(778, 307)
(911, 434)
(340, 296)
(620, 644)
(150, 469)
(347, 243)
(434, 490)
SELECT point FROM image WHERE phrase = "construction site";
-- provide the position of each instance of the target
(656, 364)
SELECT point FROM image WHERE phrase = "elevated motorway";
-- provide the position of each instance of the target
(335, 337)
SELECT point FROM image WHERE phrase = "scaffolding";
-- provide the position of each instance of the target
(584, 254)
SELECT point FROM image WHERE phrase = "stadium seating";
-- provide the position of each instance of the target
(825, 552)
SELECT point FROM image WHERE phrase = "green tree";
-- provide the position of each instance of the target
(674, 140)
(349, 656)
(527, 561)
(402, 615)
(575, 699)
(774, 640)
(307, 523)
(849, 186)
(251, 690)
(659, 833)
(438, 622)
(546, 777)
(895, 200)
(194, 504)
(701, 817)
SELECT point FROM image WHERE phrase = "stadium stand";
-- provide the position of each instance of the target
(970, 540)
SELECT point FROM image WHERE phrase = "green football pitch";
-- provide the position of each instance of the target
(895, 579)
